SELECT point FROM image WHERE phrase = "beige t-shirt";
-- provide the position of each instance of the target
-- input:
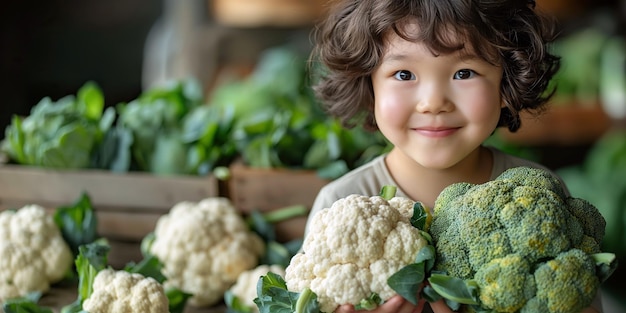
(371, 177)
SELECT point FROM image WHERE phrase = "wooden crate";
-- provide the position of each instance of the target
(270, 189)
(127, 205)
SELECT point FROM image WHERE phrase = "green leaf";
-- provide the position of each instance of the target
(150, 266)
(406, 282)
(430, 295)
(91, 259)
(273, 296)
(91, 98)
(454, 288)
(78, 223)
(420, 216)
(26, 304)
(333, 170)
(427, 256)
(71, 147)
(234, 304)
(177, 300)
(388, 192)
(372, 302)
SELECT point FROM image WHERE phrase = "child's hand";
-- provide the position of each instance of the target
(396, 304)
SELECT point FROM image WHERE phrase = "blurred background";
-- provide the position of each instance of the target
(51, 48)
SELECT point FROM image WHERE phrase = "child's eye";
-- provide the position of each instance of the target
(464, 74)
(404, 75)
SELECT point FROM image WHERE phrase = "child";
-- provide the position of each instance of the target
(436, 77)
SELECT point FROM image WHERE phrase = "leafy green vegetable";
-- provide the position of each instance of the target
(173, 132)
(61, 134)
(370, 303)
(273, 297)
(262, 223)
(279, 123)
(408, 280)
(77, 222)
(234, 303)
(27, 304)
(92, 258)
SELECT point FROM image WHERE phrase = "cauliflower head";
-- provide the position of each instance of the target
(124, 292)
(353, 247)
(246, 286)
(521, 239)
(34, 253)
(204, 246)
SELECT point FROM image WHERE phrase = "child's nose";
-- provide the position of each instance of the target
(433, 99)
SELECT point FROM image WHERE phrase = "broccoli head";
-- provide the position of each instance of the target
(521, 239)
(506, 283)
(555, 279)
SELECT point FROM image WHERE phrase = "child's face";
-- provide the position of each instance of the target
(435, 109)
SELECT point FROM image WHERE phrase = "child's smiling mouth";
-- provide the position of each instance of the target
(436, 132)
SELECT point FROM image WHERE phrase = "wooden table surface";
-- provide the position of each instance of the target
(61, 296)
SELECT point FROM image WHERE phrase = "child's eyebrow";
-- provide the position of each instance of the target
(393, 57)
(462, 55)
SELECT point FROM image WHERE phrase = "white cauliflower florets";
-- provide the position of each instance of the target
(352, 248)
(204, 246)
(124, 292)
(245, 287)
(33, 253)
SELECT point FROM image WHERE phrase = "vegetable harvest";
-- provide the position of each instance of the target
(517, 244)
(33, 252)
(352, 254)
(204, 246)
(136, 288)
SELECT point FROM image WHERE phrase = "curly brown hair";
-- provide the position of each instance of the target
(350, 42)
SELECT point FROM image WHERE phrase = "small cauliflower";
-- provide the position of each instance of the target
(204, 246)
(124, 292)
(245, 289)
(518, 244)
(353, 248)
(34, 253)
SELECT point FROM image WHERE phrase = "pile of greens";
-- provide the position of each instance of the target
(279, 122)
(269, 119)
(167, 130)
(61, 134)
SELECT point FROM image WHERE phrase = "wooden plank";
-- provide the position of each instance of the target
(129, 191)
(561, 125)
(268, 189)
(65, 293)
(115, 224)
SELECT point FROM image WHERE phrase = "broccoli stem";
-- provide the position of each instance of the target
(606, 264)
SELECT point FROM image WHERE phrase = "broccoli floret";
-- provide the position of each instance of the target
(506, 283)
(535, 223)
(589, 216)
(555, 279)
(539, 178)
(448, 195)
(497, 233)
